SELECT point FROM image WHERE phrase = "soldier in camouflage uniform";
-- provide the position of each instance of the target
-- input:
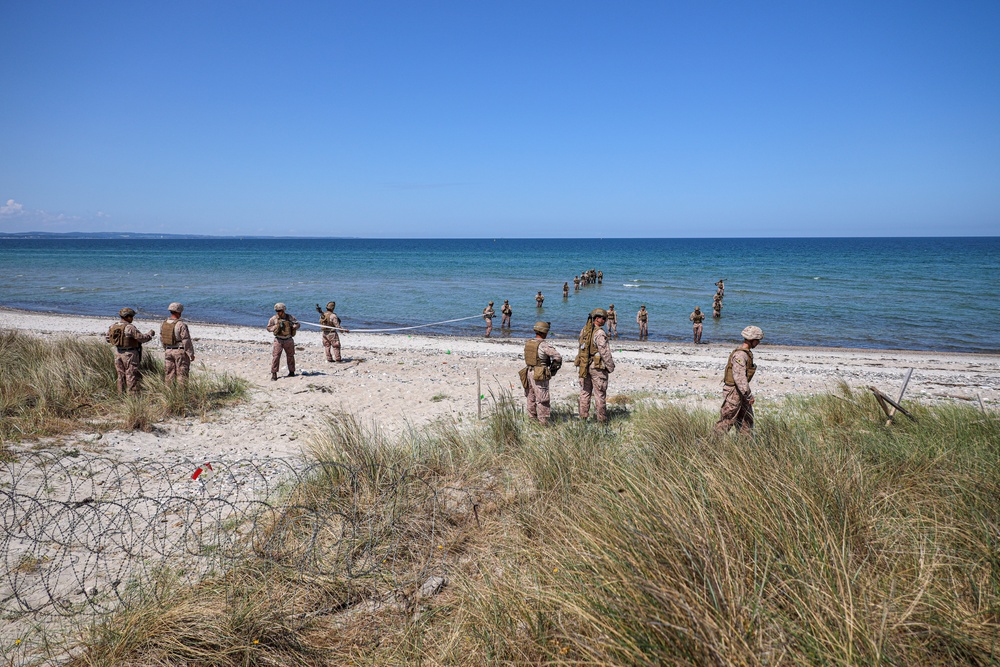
(600, 277)
(566, 290)
(488, 315)
(717, 306)
(613, 320)
(642, 319)
(576, 283)
(505, 311)
(284, 327)
(738, 400)
(330, 332)
(542, 361)
(539, 299)
(128, 350)
(722, 288)
(178, 348)
(595, 364)
(697, 317)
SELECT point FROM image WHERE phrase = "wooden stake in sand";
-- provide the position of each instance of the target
(479, 396)
(885, 402)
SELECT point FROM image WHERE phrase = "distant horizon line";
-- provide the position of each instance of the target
(153, 236)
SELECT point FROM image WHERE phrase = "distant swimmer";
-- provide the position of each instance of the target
(178, 348)
(642, 319)
(542, 362)
(488, 314)
(331, 331)
(738, 400)
(697, 317)
(613, 320)
(505, 312)
(284, 327)
(128, 341)
(539, 299)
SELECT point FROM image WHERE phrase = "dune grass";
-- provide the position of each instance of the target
(828, 538)
(51, 387)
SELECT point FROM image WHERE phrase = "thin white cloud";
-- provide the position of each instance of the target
(11, 208)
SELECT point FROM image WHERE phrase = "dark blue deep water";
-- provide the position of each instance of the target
(922, 293)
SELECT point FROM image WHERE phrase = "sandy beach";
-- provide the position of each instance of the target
(401, 381)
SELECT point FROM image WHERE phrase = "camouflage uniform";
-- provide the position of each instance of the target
(600, 277)
(576, 283)
(537, 391)
(488, 314)
(331, 336)
(506, 311)
(737, 398)
(178, 348)
(565, 290)
(282, 343)
(697, 317)
(613, 320)
(722, 288)
(538, 300)
(594, 383)
(717, 307)
(129, 354)
(642, 319)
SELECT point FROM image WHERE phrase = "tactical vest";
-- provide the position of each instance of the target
(283, 329)
(118, 337)
(505, 310)
(167, 334)
(751, 368)
(643, 315)
(698, 318)
(330, 319)
(531, 352)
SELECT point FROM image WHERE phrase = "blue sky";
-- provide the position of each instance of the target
(490, 119)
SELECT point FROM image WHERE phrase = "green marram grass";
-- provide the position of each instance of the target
(826, 539)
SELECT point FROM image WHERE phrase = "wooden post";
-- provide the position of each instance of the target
(479, 396)
(892, 412)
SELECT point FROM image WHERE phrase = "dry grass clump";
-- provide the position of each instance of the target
(50, 387)
(827, 538)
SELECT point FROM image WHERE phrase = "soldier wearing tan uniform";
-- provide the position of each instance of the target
(284, 327)
(717, 306)
(488, 315)
(722, 288)
(697, 317)
(330, 332)
(576, 283)
(539, 299)
(613, 320)
(178, 348)
(738, 400)
(595, 364)
(566, 290)
(642, 319)
(542, 361)
(128, 350)
(505, 312)
(600, 277)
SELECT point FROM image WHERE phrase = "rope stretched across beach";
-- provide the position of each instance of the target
(418, 326)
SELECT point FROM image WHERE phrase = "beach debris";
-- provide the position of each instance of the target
(889, 406)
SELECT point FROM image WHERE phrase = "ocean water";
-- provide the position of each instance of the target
(921, 293)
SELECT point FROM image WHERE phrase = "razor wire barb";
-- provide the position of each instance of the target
(85, 536)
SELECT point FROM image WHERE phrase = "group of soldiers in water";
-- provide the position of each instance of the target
(594, 360)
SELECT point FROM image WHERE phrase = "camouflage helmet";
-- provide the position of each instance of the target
(542, 327)
(753, 333)
(126, 312)
(176, 307)
(331, 305)
(279, 306)
(697, 307)
(491, 303)
(611, 307)
(598, 312)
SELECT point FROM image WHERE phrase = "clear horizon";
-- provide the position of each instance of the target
(502, 120)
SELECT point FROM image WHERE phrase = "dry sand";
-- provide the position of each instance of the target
(401, 381)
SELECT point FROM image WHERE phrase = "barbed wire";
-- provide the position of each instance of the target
(83, 536)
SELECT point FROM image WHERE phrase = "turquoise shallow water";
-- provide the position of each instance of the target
(925, 293)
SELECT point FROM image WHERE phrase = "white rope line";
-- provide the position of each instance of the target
(418, 326)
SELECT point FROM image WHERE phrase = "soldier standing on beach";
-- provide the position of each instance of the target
(697, 317)
(330, 332)
(642, 319)
(488, 314)
(613, 320)
(128, 350)
(542, 361)
(738, 400)
(506, 312)
(283, 326)
(566, 290)
(178, 348)
(595, 364)
(539, 299)
(717, 306)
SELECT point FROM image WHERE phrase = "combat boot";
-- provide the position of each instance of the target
(274, 377)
